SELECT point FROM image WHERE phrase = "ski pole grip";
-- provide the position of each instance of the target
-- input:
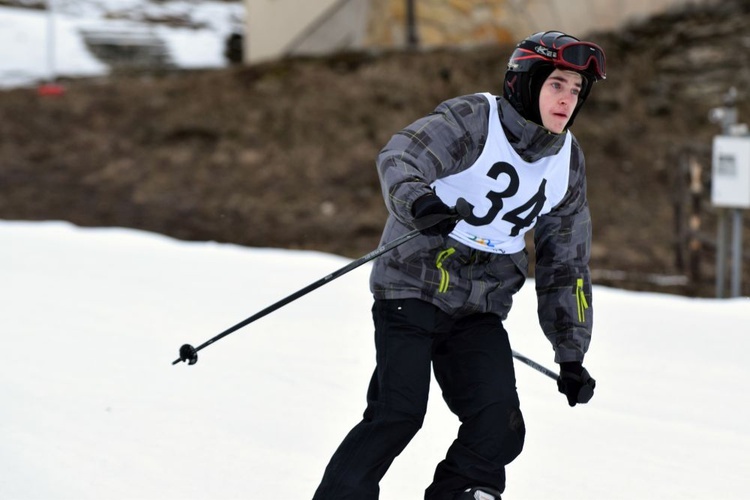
(462, 208)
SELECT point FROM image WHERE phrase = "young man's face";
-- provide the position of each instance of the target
(558, 98)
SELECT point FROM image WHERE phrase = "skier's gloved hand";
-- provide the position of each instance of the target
(428, 205)
(575, 382)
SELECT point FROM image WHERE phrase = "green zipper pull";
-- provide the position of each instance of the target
(444, 276)
(581, 301)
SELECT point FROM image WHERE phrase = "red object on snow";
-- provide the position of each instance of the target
(50, 90)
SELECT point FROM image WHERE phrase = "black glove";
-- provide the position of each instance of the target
(431, 204)
(576, 383)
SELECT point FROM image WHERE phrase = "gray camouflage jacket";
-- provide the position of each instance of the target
(462, 280)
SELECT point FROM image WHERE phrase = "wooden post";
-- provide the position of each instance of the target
(412, 39)
(696, 205)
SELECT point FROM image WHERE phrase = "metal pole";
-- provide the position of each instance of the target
(729, 118)
(721, 250)
(535, 365)
(189, 353)
(462, 210)
(736, 252)
(51, 41)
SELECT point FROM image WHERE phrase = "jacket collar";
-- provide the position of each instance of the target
(531, 141)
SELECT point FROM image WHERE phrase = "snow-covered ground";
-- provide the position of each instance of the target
(35, 45)
(92, 407)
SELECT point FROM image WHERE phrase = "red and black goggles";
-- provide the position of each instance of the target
(577, 56)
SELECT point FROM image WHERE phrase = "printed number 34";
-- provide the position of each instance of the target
(521, 216)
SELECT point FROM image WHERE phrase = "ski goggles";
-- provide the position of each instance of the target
(577, 56)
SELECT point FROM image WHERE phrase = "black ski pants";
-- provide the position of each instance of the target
(472, 361)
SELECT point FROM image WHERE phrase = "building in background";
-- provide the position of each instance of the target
(279, 28)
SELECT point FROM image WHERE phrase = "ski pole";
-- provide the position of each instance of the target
(461, 211)
(535, 365)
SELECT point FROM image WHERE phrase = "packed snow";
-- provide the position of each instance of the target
(93, 407)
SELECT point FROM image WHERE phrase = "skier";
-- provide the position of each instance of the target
(442, 297)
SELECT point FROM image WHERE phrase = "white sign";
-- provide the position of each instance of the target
(730, 179)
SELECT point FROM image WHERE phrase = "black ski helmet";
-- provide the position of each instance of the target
(534, 59)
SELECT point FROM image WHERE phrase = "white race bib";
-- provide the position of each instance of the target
(507, 194)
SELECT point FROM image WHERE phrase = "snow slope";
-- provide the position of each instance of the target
(92, 407)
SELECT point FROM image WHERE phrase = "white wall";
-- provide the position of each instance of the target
(273, 24)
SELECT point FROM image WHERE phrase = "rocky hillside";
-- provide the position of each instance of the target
(281, 154)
